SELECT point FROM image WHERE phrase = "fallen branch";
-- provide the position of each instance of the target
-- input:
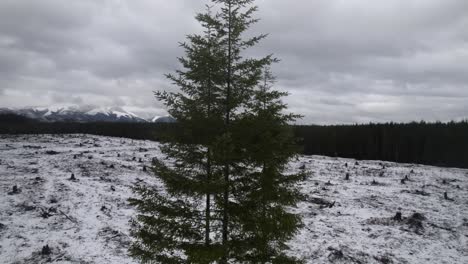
(68, 217)
(441, 227)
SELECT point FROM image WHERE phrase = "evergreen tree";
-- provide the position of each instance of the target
(229, 155)
(241, 78)
(175, 226)
(266, 191)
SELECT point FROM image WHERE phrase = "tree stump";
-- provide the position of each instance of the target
(14, 190)
(347, 176)
(45, 214)
(46, 250)
(72, 178)
(446, 197)
(144, 168)
(398, 216)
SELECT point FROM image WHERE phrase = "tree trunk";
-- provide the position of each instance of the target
(208, 160)
(208, 201)
(227, 123)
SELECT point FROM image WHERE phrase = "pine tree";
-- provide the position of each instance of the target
(266, 191)
(230, 152)
(175, 226)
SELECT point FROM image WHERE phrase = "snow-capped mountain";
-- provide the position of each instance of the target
(76, 114)
(154, 119)
(114, 114)
(163, 119)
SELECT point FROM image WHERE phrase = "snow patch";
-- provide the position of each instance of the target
(86, 219)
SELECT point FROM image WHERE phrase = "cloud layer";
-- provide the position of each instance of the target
(342, 61)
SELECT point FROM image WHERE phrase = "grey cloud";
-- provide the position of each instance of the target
(342, 61)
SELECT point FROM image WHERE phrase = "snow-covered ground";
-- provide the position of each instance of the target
(345, 221)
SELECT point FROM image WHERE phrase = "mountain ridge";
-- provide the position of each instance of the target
(71, 113)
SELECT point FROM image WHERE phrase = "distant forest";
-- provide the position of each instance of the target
(439, 144)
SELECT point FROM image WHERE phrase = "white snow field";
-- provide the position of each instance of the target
(345, 221)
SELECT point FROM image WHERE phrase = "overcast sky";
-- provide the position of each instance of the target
(343, 61)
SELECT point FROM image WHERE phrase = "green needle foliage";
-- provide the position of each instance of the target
(225, 195)
(266, 192)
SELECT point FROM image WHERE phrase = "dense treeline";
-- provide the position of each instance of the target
(149, 131)
(9, 118)
(441, 144)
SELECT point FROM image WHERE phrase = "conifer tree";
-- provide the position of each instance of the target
(225, 194)
(266, 191)
(175, 226)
